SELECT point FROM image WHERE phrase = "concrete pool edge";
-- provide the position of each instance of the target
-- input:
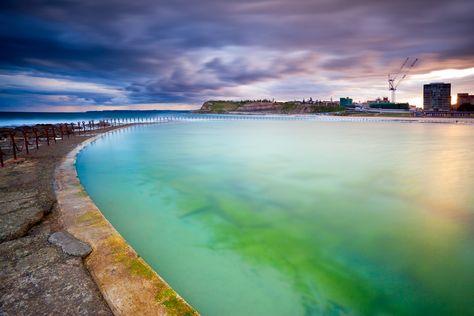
(128, 284)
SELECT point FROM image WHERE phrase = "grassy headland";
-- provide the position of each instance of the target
(268, 106)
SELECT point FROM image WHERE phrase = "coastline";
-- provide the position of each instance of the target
(128, 284)
(420, 119)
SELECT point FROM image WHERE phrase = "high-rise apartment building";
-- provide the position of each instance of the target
(437, 97)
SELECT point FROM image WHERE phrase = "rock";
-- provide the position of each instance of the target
(24, 198)
(17, 223)
(38, 278)
(69, 244)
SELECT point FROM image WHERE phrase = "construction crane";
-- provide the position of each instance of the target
(395, 79)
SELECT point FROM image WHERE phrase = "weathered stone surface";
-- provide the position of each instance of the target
(37, 278)
(70, 244)
(24, 197)
(17, 223)
(21, 203)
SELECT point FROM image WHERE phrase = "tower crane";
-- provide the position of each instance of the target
(394, 79)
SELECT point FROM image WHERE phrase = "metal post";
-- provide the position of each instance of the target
(25, 139)
(12, 138)
(47, 134)
(54, 133)
(35, 131)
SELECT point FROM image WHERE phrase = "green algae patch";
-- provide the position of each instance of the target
(174, 305)
(138, 267)
(82, 193)
(91, 218)
(115, 244)
(122, 254)
(165, 296)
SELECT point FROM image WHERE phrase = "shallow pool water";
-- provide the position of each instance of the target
(296, 217)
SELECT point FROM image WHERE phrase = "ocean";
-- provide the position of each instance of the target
(31, 118)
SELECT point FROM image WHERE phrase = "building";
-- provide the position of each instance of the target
(437, 97)
(465, 102)
(345, 102)
(389, 105)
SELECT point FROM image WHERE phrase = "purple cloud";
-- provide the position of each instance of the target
(172, 51)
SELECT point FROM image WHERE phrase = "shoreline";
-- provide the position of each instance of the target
(128, 284)
(193, 115)
(351, 118)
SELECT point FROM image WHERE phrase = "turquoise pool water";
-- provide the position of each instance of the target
(296, 217)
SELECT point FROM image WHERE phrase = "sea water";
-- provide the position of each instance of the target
(296, 217)
(12, 119)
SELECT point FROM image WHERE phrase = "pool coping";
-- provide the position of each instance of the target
(128, 284)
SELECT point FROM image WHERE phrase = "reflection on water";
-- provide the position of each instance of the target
(296, 218)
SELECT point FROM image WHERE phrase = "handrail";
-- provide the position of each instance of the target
(12, 137)
(19, 140)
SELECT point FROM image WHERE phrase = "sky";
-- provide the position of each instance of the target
(67, 55)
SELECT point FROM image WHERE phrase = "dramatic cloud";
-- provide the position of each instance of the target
(116, 52)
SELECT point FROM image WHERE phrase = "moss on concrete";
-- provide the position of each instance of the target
(82, 193)
(165, 295)
(174, 305)
(91, 218)
(138, 267)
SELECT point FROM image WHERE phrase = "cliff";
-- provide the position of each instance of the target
(268, 107)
